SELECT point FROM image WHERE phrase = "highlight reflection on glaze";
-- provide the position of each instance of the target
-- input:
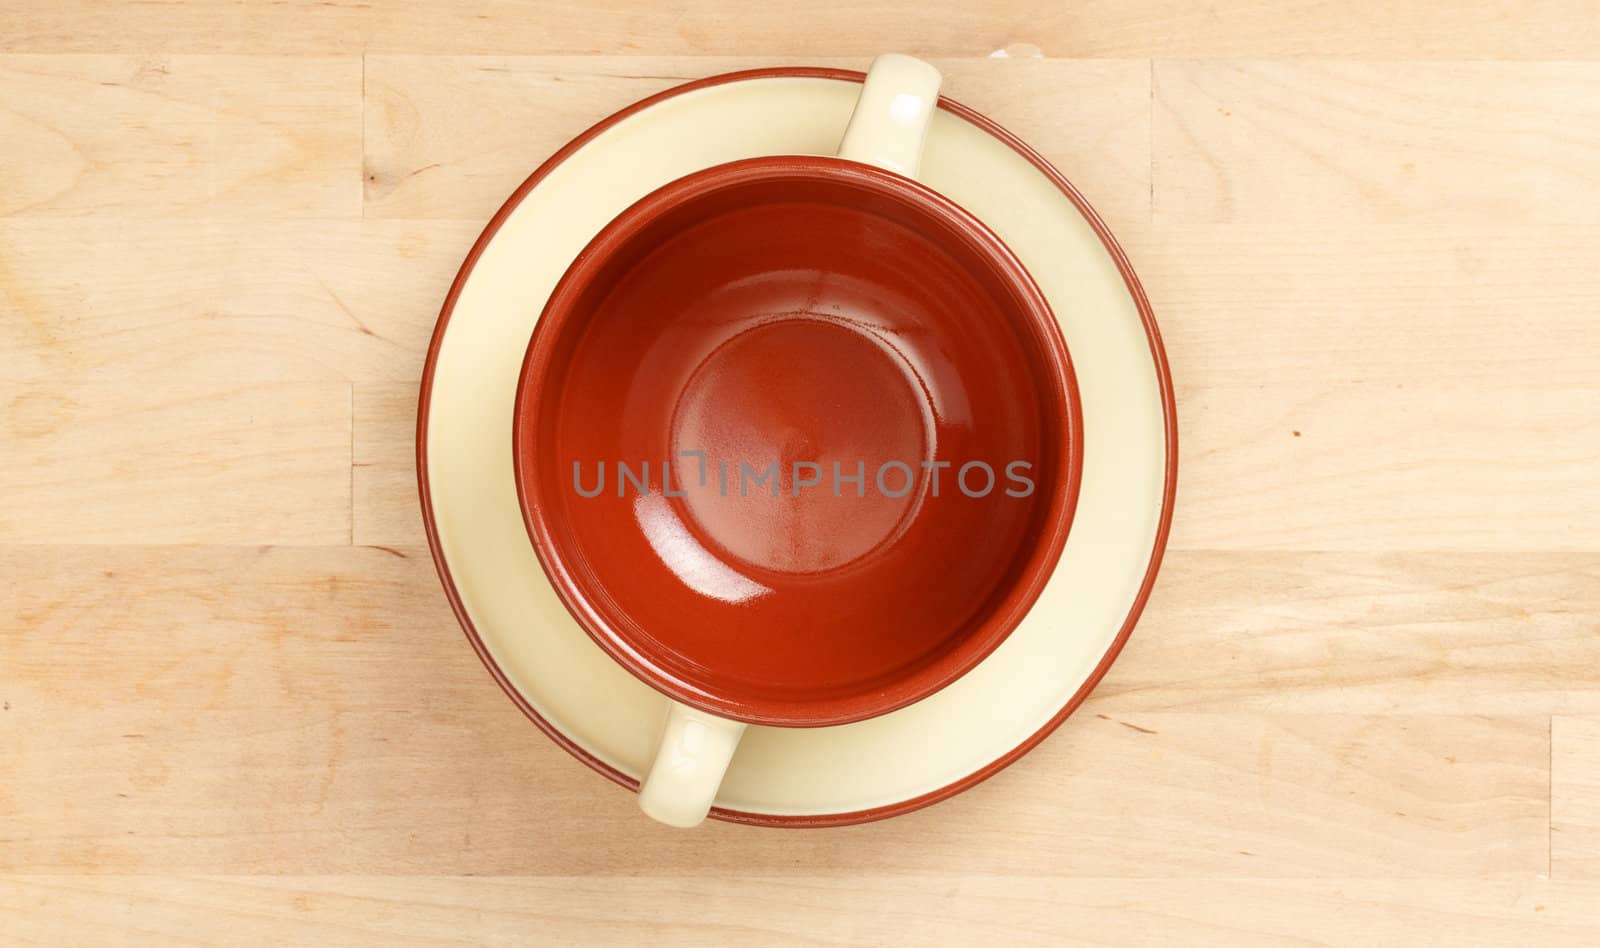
(689, 561)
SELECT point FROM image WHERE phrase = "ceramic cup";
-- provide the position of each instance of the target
(797, 440)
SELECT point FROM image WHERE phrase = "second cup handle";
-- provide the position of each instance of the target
(890, 122)
(694, 753)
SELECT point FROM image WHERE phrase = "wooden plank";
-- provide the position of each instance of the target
(1575, 797)
(481, 792)
(387, 510)
(122, 300)
(1456, 633)
(228, 300)
(428, 156)
(181, 136)
(291, 627)
(1388, 467)
(695, 908)
(182, 629)
(1362, 29)
(1477, 144)
(175, 463)
(1488, 305)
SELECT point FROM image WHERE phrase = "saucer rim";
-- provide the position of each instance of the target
(1159, 362)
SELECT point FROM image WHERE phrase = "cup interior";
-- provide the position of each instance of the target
(797, 440)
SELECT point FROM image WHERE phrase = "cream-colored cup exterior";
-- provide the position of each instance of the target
(695, 751)
(887, 129)
(890, 122)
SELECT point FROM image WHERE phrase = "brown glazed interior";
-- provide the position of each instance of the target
(884, 367)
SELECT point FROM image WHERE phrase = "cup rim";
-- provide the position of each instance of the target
(1046, 341)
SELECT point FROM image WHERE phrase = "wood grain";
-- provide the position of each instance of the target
(793, 909)
(1388, 467)
(1362, 707)
(481, 792)
(386, 506)
(353, 628)
(1575, 802)
(175, 463)
(179, 135)
(189, 628)
(1400, 633)
(1486, 144)
(221, 300)
(428, 157)
(1293, 307)
(1363, 29)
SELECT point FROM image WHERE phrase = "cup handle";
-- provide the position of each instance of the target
(691, 759)
(890, 122)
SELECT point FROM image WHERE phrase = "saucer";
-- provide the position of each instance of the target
(815, 776)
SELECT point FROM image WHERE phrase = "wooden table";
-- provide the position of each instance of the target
(1363, 707)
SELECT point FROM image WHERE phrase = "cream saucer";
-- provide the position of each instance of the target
(819, 776)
